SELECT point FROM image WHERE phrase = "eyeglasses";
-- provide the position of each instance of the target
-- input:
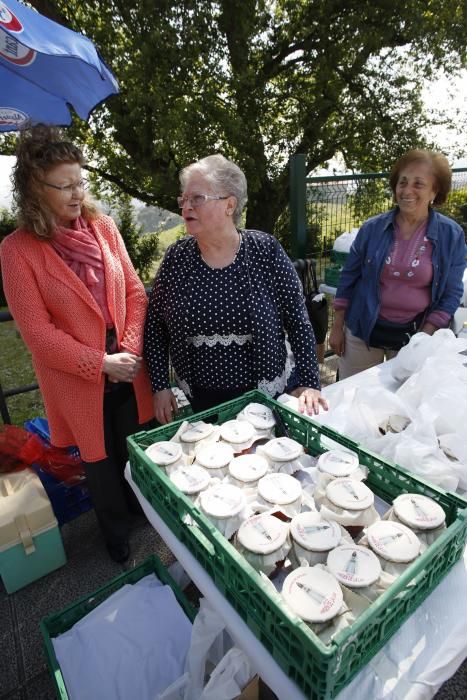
(197, 200)
(69, 189)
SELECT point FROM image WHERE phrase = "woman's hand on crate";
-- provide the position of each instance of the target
(309, 400)
(165, 406)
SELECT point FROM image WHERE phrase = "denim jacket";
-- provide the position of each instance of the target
(360, 278)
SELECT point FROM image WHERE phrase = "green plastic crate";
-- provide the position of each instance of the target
(321, 671)
(332, 274)
(339, 257)
(53, 625)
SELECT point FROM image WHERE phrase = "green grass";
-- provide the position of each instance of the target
(16, 370)
(166, 238)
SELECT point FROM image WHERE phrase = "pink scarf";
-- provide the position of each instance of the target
(78, 248)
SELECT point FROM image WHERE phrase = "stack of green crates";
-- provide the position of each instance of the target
(332, 272)
(321, 671)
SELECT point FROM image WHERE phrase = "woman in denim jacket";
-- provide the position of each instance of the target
(404, 271)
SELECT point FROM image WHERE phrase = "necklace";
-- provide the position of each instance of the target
(211, 267)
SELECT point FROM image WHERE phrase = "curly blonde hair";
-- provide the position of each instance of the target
(40, 148)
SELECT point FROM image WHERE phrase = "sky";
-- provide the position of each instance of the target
(441, 94)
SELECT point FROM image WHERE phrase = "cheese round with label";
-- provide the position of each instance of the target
(282, 449)
(248, 468)
(215, 455)
(418, 512)
(338, 463)
(393, 541)
(237, 431)
(279, 489)
(164, 453)
(313, 594)
(349, 494)
(190, 480)
(354, 566)
(222, 501)
(313, 533)
(262, 534)
(259, 416)
(196, 431)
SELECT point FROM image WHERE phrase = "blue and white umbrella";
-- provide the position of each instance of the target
(46, 68)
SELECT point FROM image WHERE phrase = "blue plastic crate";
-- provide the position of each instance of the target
(40, 426)
(68, 501)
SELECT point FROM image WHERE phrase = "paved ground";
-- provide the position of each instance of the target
(23, 671)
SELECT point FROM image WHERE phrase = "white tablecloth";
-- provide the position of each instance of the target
(426, 650)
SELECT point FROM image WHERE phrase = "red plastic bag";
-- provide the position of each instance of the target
(20, 449)
(12, 440)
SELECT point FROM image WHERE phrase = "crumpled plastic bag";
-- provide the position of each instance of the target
(210, 645)
(412, 356)
(343, 243)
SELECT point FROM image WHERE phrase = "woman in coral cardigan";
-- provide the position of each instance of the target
(80, 308)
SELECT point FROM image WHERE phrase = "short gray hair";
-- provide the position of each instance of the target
(225, 177)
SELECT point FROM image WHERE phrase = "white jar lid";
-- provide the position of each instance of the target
(354, 566)
(338, 463)
(314, 533)
(164, 453)
(259, 416)
(393, 541)
(222, 501)
(349, 494)
(190, 479)
(250, 467)
(283, 449)
(236, 431)
(313, 594)
(215, 455)
(279, 488)
(196, 431)
(419, 512)
(262, 534)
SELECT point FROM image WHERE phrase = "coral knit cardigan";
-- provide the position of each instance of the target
(65, 331)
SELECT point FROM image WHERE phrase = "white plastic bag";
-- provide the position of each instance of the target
(412, 356)
(343, 243)
(210, 645)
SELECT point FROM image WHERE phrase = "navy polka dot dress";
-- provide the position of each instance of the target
(225, 328)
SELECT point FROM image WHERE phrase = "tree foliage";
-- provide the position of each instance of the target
(142, 249)
(258, 81)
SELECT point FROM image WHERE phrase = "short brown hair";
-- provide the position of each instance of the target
(439, 165)
(39, 149)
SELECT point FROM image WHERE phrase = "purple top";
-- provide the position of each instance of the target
(405, 282)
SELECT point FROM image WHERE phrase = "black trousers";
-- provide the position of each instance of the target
(113, 498)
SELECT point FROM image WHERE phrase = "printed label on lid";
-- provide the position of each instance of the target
(196, 431)
(222, 501)
(312, 532)
(164, 453)
(279, 489)
(248, 468)
(419, 512)
(393, 541)
(190, 479)
(349, 494)
(259, 416)
(338, 463)
(313, 594)
(214, 456)
(354, 566)
(262, 534)
(283, 449)
(237, 431)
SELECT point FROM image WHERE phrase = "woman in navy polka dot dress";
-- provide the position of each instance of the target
(222, 302)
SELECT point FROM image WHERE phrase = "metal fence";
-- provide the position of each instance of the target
(321, 208)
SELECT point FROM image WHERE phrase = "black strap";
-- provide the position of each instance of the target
(312, 282)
